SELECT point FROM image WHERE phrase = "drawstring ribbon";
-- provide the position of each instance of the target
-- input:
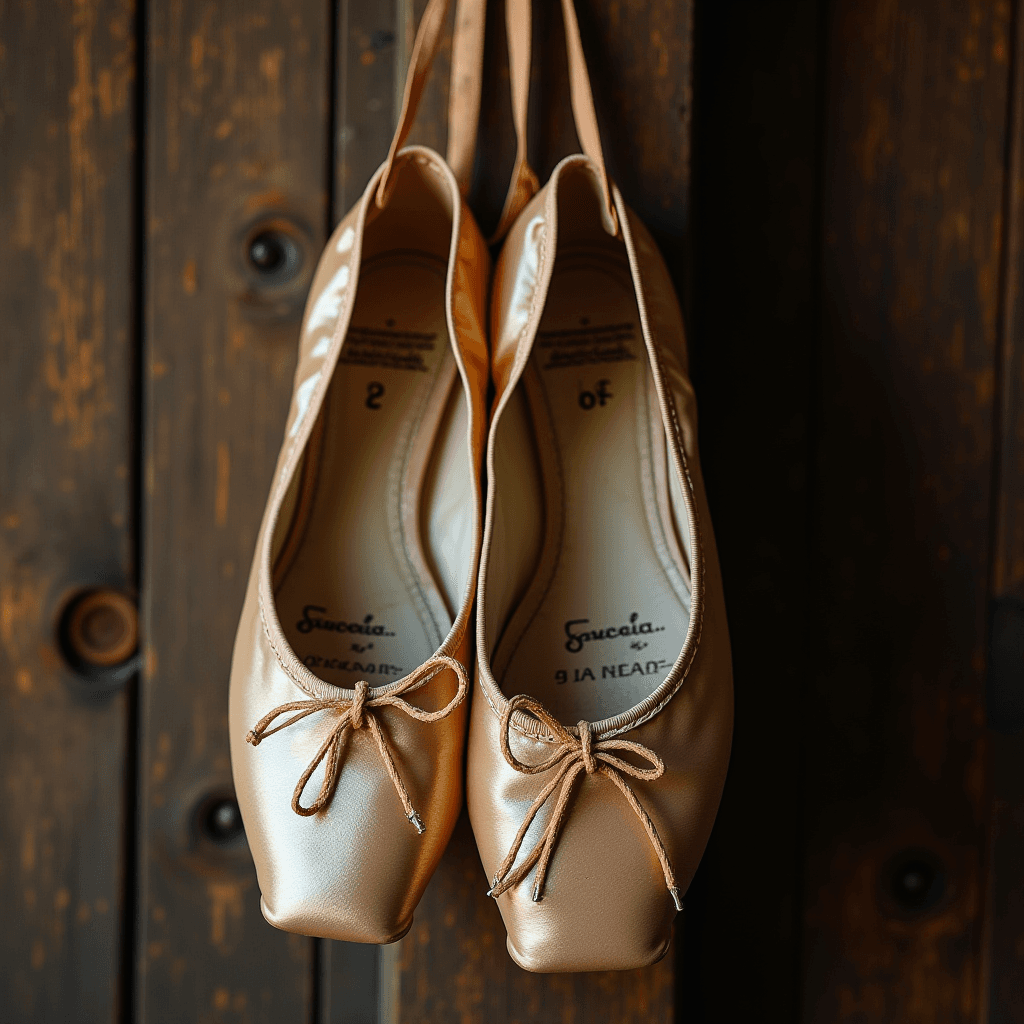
(356, 713)
(573, 755)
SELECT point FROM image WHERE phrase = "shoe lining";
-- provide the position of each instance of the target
(606, 613)
(356, 594)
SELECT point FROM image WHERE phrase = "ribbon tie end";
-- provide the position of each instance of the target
(573, 755)
(354, 713)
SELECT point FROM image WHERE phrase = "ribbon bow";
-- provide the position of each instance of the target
(355, 714)
(573, 755)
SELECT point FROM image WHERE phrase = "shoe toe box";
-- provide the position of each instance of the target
(356, 869)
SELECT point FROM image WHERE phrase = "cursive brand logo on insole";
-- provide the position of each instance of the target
(577, 638)
(313, 618)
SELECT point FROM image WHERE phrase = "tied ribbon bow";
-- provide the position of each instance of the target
(572, 756)
(357, 713)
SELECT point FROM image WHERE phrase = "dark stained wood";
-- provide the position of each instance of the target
(640, 57)
(237, 143)
(431, 125)
(349, 983)
(753, 344)
(367, 100)
(66, 107)
(850, 251)
(1004, 989)
(496, 141)
(894, 714)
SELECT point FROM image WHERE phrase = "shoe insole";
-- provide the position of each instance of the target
(607, 613)
(353, 592)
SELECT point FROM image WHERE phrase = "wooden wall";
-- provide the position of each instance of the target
(838, 187)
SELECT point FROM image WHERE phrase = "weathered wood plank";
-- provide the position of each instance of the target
(640, 60)
(896, 779)
(67, 75)
(237, 107)
(1004, 988)
(370, 66)
(431, 125)
(754, 342)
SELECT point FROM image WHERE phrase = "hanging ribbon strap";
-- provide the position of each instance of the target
(572, 756)
(356, 713)
(524, 181)
(523, 184)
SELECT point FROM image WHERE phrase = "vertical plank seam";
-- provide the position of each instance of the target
(128, 989)
(813, 570)
(1007, 327)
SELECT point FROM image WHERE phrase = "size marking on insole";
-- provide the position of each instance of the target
(618, 670)
(391, 350)
(587, 345)
(368, 668)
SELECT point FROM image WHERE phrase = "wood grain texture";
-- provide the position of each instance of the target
(639, 53)
(237, 144)
(1008, 562)
(1004, 989)
(894, 717)
(754, 343)
(849, 246)
(367, 97)
(66, 166)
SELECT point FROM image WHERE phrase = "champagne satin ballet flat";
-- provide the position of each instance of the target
(347, 697)
(601, 719)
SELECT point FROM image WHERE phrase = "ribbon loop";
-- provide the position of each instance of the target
(573, 755)
(356, 712)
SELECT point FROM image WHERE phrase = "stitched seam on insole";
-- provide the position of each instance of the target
(655, 453)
